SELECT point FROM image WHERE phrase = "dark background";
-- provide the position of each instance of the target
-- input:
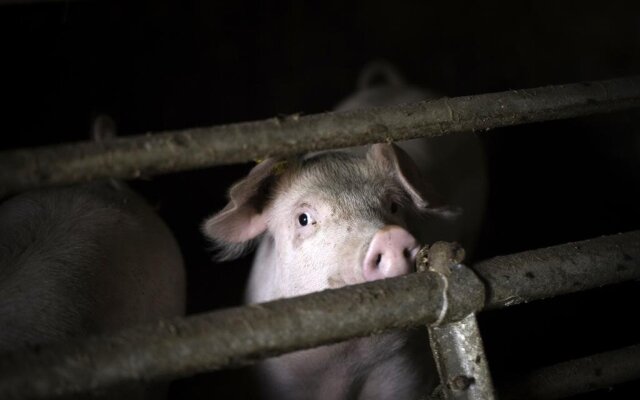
(163, 65)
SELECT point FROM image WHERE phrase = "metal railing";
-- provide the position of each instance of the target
(146, 155)
(243, 335)
(445, 296)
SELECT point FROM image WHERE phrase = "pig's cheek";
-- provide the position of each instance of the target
(299, 238)
(302, 235)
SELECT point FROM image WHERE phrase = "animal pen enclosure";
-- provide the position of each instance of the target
(447, 305)
(447, 296)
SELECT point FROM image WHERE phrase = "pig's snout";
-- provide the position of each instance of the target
(392, 252)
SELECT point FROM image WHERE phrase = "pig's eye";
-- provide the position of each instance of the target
(303, 219)
(394, 208)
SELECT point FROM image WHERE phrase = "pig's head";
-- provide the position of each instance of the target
(326, 221)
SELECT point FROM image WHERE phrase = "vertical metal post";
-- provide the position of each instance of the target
(462, 364)
(457, 346)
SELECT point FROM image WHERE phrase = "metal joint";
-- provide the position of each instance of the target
(464, 293)
(457, 345)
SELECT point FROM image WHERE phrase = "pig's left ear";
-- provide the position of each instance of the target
(412, 181)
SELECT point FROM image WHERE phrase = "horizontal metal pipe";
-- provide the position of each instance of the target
(577, 376)
(242, 335)
(226, 338)
(146, 155)
(568, 268)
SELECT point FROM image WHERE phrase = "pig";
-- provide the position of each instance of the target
(327, 220)
(84, 259)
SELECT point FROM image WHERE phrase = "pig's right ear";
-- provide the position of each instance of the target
(404, 169)
(234, 227)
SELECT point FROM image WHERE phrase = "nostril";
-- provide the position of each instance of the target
(378, 259)
(406, 253)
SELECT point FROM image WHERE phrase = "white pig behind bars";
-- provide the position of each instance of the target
(328, 220)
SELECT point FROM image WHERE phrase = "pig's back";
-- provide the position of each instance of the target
(82, 260)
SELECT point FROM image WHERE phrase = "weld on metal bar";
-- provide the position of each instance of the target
(242, 335)
(457, 346)
(577, 376)
(146, 155)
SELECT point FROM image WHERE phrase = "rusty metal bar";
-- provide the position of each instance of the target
(243, 335)
(148, 154)
(577, 376)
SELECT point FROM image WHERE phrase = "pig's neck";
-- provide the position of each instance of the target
(389, 366)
